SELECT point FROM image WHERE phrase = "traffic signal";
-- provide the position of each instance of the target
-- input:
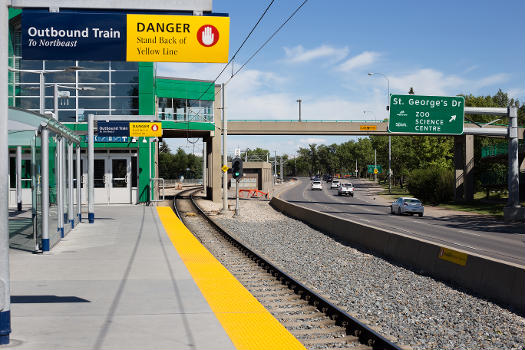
(237, 168)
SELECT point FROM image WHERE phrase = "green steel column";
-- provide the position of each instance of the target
(146, 107)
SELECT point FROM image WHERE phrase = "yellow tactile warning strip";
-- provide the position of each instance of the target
(248, 324)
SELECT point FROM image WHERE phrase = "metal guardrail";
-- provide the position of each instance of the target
(152, 180)
(498, 149)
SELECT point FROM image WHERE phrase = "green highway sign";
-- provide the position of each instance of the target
(371, 169)
(431, 115)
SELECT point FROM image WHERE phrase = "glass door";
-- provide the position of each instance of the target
(101, 186)
(120, 191)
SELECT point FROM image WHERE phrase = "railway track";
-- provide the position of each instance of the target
(314, 321)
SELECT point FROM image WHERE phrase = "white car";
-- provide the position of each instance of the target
(404, 205)
(346, 189)
(335, 184)
(317, 185)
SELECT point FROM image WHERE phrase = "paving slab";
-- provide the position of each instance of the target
(116, 284)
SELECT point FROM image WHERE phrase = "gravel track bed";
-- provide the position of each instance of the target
(286, 306)
(417, 310)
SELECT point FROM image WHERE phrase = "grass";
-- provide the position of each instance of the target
(395, 193)
(480, 205)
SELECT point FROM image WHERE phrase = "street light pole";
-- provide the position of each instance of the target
(389, 137)
(299, 100)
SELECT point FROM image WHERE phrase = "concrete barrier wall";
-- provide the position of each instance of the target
(500, 282)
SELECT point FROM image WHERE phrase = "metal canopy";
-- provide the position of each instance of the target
(22, 120)
(168, 5)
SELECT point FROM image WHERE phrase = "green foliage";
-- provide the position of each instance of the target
(173, 166)
(433, 184)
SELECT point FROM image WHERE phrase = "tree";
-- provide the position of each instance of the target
(173, 166)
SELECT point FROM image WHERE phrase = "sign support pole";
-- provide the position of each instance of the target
(514, 199)
(71, 201)
(19, 178)
(237, 209)
(79, 186)
(91, 169)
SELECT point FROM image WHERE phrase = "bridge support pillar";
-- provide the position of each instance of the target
(213, 150)
(464, 167)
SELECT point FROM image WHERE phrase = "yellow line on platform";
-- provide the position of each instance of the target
(248, 324)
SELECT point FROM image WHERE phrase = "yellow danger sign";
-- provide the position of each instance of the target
(224, 168)
(164, 38)
(145, 129)
(453, 256)
(368, 127)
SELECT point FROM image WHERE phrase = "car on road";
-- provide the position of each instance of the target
(346, 189)
(317, 185)
(335, 184)
(327, 177)
(405, 205)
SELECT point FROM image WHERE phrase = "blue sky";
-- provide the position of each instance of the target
(323, 56)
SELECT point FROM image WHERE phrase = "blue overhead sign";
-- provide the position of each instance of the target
(73, 36)
(112, 129)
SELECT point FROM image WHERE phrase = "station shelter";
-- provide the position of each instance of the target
(125, 168)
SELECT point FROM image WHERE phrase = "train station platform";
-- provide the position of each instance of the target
(135, 279)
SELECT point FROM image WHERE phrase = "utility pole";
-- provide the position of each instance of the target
(375, 165)
(389, 136)
(224, 154)
(281, 167)
(275, 166)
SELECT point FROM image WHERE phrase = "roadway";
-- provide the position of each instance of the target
(478, 234)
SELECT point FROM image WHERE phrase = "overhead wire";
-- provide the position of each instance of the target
(264, 44)
(228, 63)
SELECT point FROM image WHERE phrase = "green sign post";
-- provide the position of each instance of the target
(371, 169)
(414, 114)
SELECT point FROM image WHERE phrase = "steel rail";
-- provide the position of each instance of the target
(353, 326)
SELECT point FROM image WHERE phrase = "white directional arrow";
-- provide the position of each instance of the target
(452, 118)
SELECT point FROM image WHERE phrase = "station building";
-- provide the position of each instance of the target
(124, 166)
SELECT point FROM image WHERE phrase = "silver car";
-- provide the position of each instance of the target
(346, 189)
(405, 205)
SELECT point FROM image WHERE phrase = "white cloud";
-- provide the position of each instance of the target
(257, 94)
(299, 55)
(433, 82)
(363, 59)
(471, 68)
(516, 93)
(428, 82)
(203, 71)
(490, 80)
(312, 140)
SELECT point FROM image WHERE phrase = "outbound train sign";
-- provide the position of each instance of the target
(124, 37)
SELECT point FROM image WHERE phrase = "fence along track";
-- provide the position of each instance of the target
(314, 321)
